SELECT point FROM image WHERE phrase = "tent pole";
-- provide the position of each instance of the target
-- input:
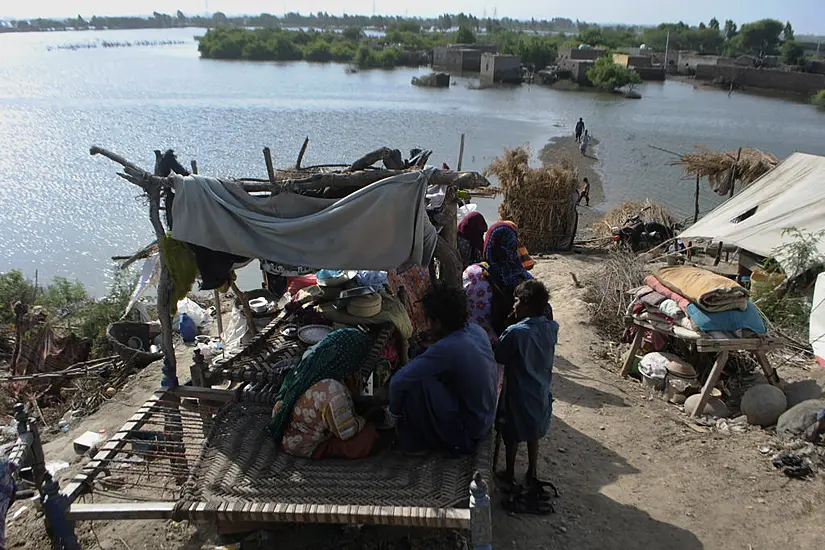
(731, 182)
(696, 202)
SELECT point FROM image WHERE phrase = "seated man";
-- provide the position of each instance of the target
(527, 351)
(445, 399)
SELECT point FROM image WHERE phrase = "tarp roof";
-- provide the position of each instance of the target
(792, 195)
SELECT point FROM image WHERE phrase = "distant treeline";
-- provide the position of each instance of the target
(319, 20)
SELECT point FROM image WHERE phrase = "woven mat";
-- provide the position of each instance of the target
(241, 464)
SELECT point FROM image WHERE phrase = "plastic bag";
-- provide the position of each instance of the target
(234, 331)
(193, 311)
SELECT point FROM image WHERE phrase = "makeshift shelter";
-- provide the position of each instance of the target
(792, 195)
(186, 435)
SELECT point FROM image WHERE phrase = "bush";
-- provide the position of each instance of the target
(365, 57)
(318, 50)
(607, 291)
(465, 36)
(610, 76)
(13, 288)
(793, 53)
(819, 99)
(352, 33)
(64, 298)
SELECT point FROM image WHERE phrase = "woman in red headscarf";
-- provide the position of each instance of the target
(470, 238)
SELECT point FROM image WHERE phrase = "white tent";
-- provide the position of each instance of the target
(792, 195)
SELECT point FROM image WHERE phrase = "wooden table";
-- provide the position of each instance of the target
(759, 345)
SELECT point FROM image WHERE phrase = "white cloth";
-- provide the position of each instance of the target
(792, 195)
(671, 309)
(149, 276)
(378, 227)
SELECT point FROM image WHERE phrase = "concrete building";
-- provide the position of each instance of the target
(579, 54)
(500, 68)
(461, 57)
(631, 61)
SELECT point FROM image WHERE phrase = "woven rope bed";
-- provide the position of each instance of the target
(242, 474)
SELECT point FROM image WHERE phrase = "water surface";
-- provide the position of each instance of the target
(65, 212)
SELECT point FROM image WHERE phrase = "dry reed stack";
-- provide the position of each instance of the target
(716, 165)
(538, 200)
(648, 210)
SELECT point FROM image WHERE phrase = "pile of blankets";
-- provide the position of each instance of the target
(689, 301)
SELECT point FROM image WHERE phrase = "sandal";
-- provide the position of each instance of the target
(507, 485)
(538, 486)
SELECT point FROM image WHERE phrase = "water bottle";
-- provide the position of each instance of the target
(481, 522)
(188, 330)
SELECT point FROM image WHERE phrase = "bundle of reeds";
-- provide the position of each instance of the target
(649, 212)
(607, 291)
(715, 166)
(539, 200)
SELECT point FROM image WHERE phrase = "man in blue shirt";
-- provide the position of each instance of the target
(445, 399)
(527, 350)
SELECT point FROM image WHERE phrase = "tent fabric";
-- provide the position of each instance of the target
(789, 196)
(378, 227)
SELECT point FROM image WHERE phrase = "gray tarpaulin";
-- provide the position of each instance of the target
(378, 227)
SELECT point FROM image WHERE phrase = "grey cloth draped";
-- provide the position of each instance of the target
(378, 227)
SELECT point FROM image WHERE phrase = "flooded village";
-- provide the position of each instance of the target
(406, 283)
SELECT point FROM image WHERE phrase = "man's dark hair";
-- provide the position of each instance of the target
(585, 180)
(533, 294)
(447, 305)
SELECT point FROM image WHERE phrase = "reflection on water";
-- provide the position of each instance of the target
(66, 213)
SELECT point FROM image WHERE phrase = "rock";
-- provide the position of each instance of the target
(800, 391)
(714, 406)
(763, 404)
(800, 419)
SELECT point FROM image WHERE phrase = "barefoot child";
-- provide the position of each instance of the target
(527, 350)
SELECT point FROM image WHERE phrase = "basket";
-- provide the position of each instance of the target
(121, 332)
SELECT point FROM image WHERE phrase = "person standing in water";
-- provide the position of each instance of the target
(585, 142)
(585, 194)
(579, 130)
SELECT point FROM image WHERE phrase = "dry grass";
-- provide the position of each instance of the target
(538, 200)
(650, 212)
(715, 165)
(607, 291)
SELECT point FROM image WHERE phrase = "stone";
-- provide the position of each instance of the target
(714, 407)
(763, 404)
(802, 390)
(800, 419)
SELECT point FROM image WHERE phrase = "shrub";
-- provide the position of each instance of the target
(611, 76)
(819, 99)
(465, 36)
(365, 57)
(318, 50)
(13, 288)
(353, 33)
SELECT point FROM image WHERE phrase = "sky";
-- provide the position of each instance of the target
(807, 16)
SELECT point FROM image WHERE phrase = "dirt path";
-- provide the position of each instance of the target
(631, 473)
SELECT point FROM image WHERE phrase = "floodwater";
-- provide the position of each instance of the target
(65, 212)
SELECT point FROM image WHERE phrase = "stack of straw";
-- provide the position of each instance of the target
(539, 200)
(649, 212)
(715, 166)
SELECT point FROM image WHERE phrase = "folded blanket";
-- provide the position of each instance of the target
(728, 321)
(670, 308)
(653, 299)
(680, 300)
(708, 290)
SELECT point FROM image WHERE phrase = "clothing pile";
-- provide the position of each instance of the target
(690, 303)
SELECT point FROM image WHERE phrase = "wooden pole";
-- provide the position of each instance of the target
(195, 167)
(460, 154)
(270, 170)
(301, 154)
(218, 312)
(731, 183)
(696, 202)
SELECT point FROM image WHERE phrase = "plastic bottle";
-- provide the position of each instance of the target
(188, 330)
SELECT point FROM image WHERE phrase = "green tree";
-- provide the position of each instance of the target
(13, 288)
(465, 36)
(445, 22)
(64, 297)
(818, 99)
(787, 33)
(793, 53)
(761, 38)
(702, 26)
(353, 33)
(611, 76)
(714, 24)
(730, 30)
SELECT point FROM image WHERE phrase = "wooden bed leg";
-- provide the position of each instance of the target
(634, 347)
(715, 372)
(769, 371)
(173, 436)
